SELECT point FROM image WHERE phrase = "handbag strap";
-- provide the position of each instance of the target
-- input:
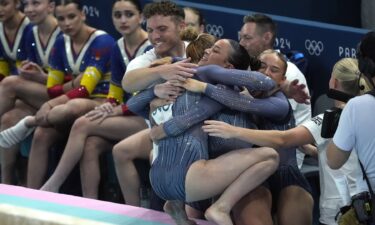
(367, 180)
(372, 195)
(372, 92)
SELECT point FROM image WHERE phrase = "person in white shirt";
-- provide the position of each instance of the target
(354, 133)
(165, 21)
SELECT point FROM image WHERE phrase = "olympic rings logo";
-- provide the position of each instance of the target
(216, 30)
(314, 47)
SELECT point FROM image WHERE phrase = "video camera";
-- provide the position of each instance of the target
(332, 116)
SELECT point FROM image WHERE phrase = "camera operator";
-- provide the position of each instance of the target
(357, 122)
(356, 131)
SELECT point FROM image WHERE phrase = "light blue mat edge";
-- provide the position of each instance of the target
(74, 211)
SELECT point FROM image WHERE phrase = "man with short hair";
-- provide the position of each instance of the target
(257, 34)
(165, 21)
(194, 19)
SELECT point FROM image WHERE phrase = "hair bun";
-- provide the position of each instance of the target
(189, 34)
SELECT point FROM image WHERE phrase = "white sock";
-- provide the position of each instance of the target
(15, 134)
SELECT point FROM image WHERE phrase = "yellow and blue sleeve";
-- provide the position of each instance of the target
(55, 77)
(4, 68)
(116, 93)
(91, 78)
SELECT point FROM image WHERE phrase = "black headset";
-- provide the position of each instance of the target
(366, 65)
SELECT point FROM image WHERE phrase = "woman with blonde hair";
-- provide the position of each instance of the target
(346, 72)
(346, 78)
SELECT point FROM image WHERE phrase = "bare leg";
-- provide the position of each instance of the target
(90, 165)
(60, 116)
(15, 87)
(71, 156)
(137, 146)
(233, 180)
(176, 209)
(9, 155)
(113, 128)
(8, 165)
(79, 144)
(295, 206)
(64, 114)
(194, 213)
(43, 140)
(254, 208)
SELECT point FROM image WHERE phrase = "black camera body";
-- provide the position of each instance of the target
(361, 203)
(332, 116)
(330, 122)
